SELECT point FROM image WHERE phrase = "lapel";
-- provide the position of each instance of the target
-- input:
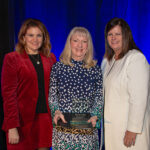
(46, 65)
(29, 64)
(109, 67)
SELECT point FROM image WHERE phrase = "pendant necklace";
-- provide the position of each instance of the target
(36, 59)
(38, 62)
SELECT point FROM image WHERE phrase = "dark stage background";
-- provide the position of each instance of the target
(60, 16)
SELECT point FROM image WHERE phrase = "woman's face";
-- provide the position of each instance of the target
(33, 40)
(79, 45)
(114, 38)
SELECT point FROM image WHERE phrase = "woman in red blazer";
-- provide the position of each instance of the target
(25, 85)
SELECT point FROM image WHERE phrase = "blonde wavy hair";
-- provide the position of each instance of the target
(88, 60)
(46, 45)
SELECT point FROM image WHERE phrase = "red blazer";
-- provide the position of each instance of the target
(20, 89)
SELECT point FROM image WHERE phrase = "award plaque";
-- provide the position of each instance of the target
(76, 120)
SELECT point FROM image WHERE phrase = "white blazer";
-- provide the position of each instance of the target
(127, 107)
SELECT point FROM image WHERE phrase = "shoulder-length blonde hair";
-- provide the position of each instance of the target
(127, 38)
(88, 60)
(46, 45)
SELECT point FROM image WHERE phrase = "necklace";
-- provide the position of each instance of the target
(36, 58)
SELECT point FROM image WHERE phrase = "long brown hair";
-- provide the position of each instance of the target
(46, 46)
(127, 38)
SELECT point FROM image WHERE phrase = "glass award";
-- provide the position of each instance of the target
(79, 116)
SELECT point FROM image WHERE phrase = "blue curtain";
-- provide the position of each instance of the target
(60, 16)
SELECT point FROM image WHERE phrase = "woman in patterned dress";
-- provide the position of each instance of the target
(76, 87)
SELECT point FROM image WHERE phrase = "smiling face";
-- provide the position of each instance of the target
(79, 45)
(33, 40)
(114, 38)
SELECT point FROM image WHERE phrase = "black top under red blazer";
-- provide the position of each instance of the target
(20, 89)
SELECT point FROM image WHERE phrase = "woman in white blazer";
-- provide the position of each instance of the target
(126, 86)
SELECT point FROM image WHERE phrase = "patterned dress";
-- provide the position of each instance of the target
(76, 90)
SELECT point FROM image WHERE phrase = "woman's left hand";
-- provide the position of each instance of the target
(129, 138)
(93, 120)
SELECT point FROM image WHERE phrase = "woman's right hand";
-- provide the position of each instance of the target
(13, 136)
(59, 115)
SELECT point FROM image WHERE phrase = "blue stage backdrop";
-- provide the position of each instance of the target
(60, 16)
